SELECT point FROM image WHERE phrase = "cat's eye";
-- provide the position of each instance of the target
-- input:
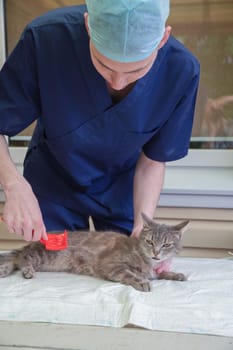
(167, 245)
(149, 242)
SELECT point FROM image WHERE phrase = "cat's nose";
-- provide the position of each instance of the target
(156, 254)
(155, 258)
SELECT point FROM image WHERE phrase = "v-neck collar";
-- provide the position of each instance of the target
(98, 90)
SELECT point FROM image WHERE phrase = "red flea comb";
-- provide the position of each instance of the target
(56, 241)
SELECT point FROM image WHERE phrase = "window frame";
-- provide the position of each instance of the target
(176, 192)
(2, 34)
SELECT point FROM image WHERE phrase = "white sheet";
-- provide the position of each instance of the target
(203, 304)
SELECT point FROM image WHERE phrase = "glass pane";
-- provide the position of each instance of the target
(205, 27)
(18, 14)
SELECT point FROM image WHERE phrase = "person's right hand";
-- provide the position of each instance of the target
(21, 212)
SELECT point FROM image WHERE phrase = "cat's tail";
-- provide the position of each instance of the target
(7, 263)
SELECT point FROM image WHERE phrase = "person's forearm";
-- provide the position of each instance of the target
(8, 171)
(21, 212)
(148, 182)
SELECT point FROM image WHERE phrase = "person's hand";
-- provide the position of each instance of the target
(136, 231)
(21, 212)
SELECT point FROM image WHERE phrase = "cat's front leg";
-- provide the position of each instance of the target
(128, 277)
(169, 275)
(143, 285)
(137, 282)
(163, 266)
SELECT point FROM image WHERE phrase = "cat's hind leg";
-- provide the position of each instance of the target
(6, 268)
(7, 265)
(28, 272)
(26, 266)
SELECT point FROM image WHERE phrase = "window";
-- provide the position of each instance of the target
(204, 178)
(206, 28)
(2, 35)
(17, 15)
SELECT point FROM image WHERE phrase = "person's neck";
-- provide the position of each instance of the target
(118, 95)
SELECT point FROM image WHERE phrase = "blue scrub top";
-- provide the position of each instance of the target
(83, 143)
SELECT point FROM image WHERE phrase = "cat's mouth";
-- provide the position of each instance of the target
(155, 258)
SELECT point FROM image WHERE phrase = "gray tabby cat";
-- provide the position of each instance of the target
(107, 255)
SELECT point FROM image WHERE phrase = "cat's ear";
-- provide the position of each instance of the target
(148, 223)
(180, 228)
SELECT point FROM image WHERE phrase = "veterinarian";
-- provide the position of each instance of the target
(113, 94)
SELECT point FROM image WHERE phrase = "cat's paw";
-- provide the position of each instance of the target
(4, 271)
(28, 273)
(142, 286)
(180, 277)
(173, 276)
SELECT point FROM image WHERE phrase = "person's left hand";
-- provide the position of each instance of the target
(136, 232)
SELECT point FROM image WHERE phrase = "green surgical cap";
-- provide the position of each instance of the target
(127, 30)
